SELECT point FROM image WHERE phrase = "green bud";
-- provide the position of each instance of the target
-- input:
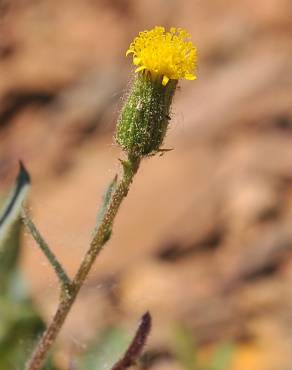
(144, 118)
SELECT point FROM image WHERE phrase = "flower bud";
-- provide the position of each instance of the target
(145, 115)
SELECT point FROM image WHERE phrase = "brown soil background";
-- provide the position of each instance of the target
(205, 236)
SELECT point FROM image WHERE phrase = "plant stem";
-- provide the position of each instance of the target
(101, 236)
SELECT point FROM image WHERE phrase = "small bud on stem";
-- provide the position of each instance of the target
(144, 119)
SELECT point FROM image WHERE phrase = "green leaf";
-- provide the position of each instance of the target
(12, 207)
(106, 199)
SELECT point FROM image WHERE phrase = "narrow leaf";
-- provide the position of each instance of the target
(135, 348)
(43, 245)
(106, 200)
(12, 207)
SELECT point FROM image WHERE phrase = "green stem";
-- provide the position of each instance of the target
(60, 272)
(100, 237)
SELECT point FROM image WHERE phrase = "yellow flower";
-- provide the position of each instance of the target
(170, 55)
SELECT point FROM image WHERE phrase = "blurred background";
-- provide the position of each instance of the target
(204, 239)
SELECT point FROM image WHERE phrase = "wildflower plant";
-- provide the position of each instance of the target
(161, 58)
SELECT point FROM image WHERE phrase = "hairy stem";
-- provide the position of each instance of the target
(101, 236)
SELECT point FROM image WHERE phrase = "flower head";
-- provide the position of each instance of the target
(170, 55)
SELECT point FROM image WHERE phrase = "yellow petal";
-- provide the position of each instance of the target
(190, 77)
(129, 51)
(136, 61)
(165, 80)
(170, 55)
(139, 69)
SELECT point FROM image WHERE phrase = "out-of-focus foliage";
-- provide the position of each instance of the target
(20, 323)
(221, 357)
(102, 353)
(186, 351)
